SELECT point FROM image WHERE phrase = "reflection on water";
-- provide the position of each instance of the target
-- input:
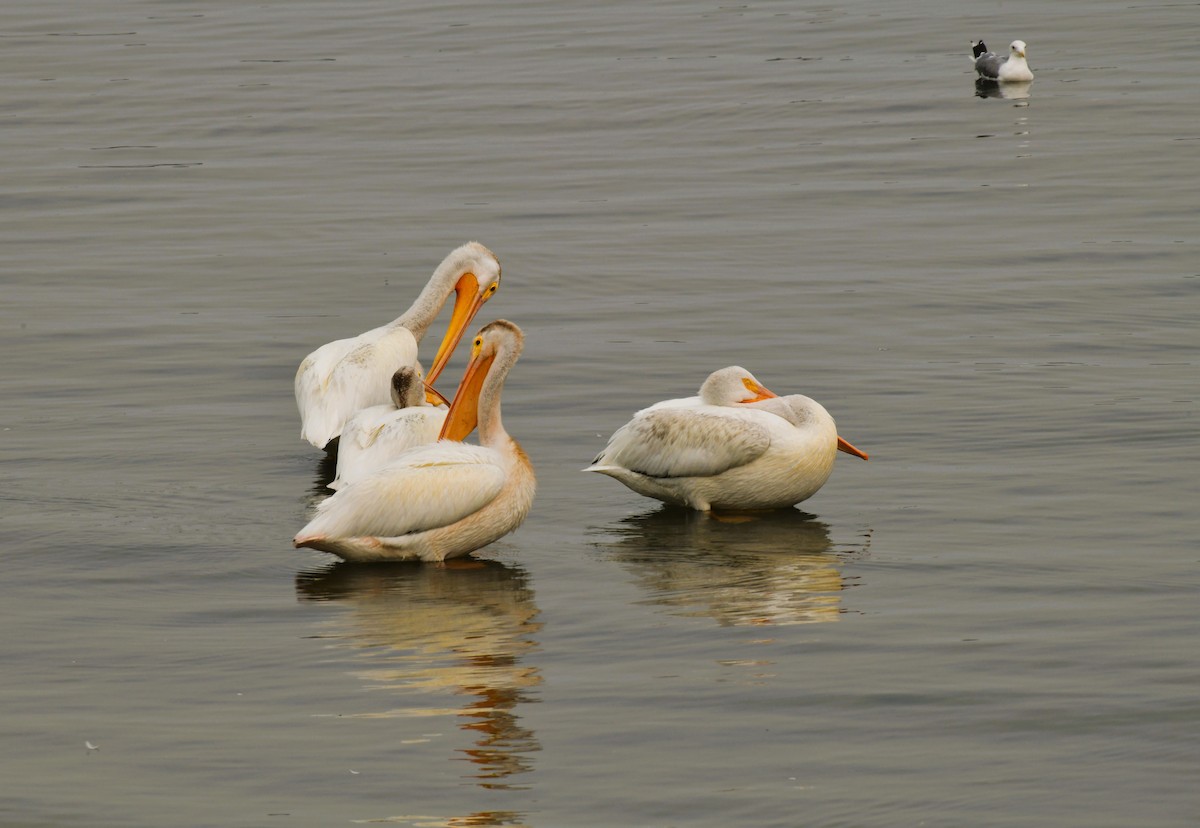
(326, 470)
(461, 629)
(991, 89)
(481, 819)
(767, 568)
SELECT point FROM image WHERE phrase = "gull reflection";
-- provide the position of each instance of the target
(463, 629)
(990, 89)
(767, 568)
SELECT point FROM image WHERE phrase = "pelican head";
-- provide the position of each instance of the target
(477, 401)
(807, 410)
(473, 273)
(408, 391)
(733, 385)
(1017, 47)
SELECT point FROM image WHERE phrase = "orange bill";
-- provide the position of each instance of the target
(467, 302)
(849, 449)
(760, 392)
(463, 415)
(434, 397)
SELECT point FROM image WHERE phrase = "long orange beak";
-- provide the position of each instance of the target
(760, 392)
(467, 302)
(849, 449)
(434, 397)
(463, 415)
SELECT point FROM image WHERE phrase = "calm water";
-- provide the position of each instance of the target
(993, 622)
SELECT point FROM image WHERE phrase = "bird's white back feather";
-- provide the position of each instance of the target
(426, 488)
(343, 377)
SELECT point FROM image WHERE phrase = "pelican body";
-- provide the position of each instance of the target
(347, 375)
(1010, 69)
(378, 435)
(737, 446)
(443, 500)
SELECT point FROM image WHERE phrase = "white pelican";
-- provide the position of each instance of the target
(1010, 69)
(347, 375)
(737, 446)
(378, 435)
(442, 500)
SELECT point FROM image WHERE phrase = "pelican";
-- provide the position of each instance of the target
(377, 435)
(1010, 69)
(442, 500)
(736, 446)
(347, 375)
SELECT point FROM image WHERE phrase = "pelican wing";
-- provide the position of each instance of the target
(684, 442)
(426, 488)
(343, 377)
(363, 428)
(414, 427)
(377, 436)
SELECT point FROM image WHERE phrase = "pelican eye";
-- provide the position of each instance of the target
(491, 289)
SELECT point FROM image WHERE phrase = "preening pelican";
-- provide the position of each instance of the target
(443, 500)
(378, 435)
(735, 446)
(348, 375)
(1010, 69)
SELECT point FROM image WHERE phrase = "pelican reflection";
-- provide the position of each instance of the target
(463, 629)
(480, 819)
(324, 473)
(767, 568)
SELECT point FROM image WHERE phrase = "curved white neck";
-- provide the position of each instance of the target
(491, 427)
(432, 298)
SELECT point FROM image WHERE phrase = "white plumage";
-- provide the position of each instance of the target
(347, 375)
(376, 436)
(446, 499)
(735, 446)
(1012, 68)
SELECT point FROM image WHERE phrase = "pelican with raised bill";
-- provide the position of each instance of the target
(446, 499)
(347, 375)
(1011, 68)
(737, 447)
(378, 435)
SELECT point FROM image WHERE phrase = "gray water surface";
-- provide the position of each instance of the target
(993, 622)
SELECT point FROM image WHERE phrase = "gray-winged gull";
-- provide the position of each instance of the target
(991, 66)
